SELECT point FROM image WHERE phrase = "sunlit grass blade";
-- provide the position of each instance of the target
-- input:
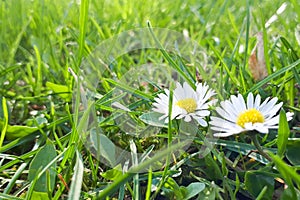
(38, 83)
(75, 189)
(9, 69)
(5, 119)
(11, 197)
(170, 60)
(288, 173)
(293, 57)
(149, 185)
(131, 90)
(83, 18)
(127, 176)
(13, 180)
(273, 76)
(265, 43)
(283, 134)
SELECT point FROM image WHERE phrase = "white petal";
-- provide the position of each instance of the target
(249, 126)
(250, 101)
(221, 124)
(262, 129)
(201, 121)
(216, 121)
(230, 109)
(175, 112)
(223, 129)
(202, 113)
(180, 116)
(238, 103)
(225, 115)
(273, 111)
(188, 91)
(269, 105)
(159, 110)
(162, 117)
(272, 121)
(289, 116)
(224, 134)
(257, 101)
(187, 118)
(179, 93)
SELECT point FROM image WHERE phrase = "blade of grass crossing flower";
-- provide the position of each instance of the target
(283, 134)
(5, 119)
(77, 179)
(274, 75)
(164, 175)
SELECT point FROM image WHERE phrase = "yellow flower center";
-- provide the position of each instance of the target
(188, 104)
(251, 115)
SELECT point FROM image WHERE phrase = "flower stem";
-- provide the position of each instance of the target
(259, 147)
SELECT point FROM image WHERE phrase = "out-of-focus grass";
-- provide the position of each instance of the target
(41, 40)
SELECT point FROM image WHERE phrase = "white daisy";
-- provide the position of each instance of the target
(187, 103)
(238, 116)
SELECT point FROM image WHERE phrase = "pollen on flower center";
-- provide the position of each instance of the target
(189, 104)
(251, 115)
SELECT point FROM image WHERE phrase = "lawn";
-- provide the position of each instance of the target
(129, 99)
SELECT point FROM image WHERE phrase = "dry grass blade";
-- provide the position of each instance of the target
(257, 63)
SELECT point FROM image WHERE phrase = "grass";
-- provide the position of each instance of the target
(50, 146)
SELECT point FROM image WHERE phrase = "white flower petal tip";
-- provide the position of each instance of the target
(237, 116)
(187, 103)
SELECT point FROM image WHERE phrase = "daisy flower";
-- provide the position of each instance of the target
(187, 103)
(237, 116)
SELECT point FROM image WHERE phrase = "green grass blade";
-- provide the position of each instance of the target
(38, 84)
(136, 184)
(170, 60)
(9, 69)
(293, 57)
(5, 119)
(265, 43)
(110, 189)
(131, 90)
(15, 177)
(274, 75)
(288, 173)
(149, 184)
(83, 18)
(283, 134)
(10, 197)
(75, 189)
